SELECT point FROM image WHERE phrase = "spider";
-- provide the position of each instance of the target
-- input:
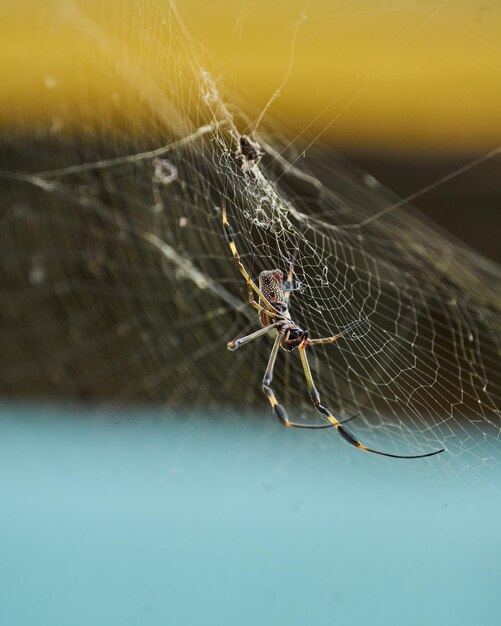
(249, 154)
(273, 313)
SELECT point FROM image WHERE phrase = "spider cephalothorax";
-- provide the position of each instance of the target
(293, 338)
(273, 309)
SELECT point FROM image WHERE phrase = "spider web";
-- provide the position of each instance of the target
(118, 284)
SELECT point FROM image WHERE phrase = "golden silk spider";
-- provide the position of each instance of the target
(273, 313)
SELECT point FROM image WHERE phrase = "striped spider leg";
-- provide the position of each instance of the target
(273, 313)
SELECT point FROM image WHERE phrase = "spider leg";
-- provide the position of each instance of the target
(256, 305)
(237, 343)
(251, 285)
(344, 432)
(346, 331)
(278, 409)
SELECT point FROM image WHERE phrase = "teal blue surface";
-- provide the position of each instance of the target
(155, 519)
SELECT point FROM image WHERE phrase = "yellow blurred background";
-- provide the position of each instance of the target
(365, 75)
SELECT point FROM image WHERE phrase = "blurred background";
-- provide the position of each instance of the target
(408, 91)
(143, 479)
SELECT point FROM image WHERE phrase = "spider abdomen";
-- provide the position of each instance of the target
(271, 285)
